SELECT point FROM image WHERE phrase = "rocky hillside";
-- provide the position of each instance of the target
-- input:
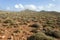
(30, 25)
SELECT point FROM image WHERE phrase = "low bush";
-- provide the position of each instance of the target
(34, 25)
(52, 33)
(40, 36)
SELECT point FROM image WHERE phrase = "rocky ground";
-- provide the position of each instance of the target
(30, 25)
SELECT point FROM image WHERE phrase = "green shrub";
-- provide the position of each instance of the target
(34, 31)
(52, 33)
(34, 25)
(40, 36)
(7, 21)
(56, 34)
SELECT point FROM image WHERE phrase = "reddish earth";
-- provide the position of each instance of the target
(22, 34)
(21, 30)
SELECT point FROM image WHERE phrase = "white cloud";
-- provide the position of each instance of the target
(50, 5)
(38, 8)
(30, 7)
(8, 8)
(53, 0)
(16, 6)
(41, 7)
(19, 6)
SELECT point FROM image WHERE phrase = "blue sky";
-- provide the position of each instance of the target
(37, 5)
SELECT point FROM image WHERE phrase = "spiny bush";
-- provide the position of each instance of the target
(40, 36)
(16, 31)
(52, 33)
(34, 31)
(56, 34)
(35, 25)
(14, 25)
(7, 21)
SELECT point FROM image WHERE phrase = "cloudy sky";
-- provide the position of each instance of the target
(36, 5)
